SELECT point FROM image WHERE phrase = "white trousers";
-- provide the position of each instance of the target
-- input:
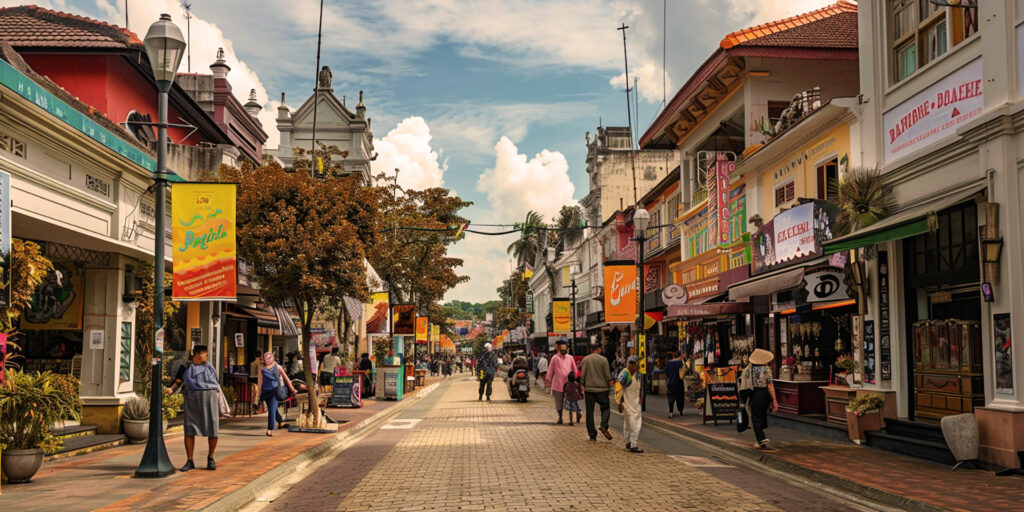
(631, 420)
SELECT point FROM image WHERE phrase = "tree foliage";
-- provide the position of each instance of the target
(531, 239)
(863, 199)
(295, 232)
(145, 345)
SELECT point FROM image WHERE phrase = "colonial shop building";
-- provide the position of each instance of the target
(942, 111)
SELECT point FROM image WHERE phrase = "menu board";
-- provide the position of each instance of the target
(345, 392)
(724, 398)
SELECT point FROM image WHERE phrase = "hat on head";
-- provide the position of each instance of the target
(561, 342)
(487, 346)
(633, 359)
(761, 356)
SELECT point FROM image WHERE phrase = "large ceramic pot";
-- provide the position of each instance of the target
(137, 431)
(21, 465)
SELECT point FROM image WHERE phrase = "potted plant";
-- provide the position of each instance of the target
(847, 364)
(135, 417)
(786, 371)
(30, 404)
(864, 414)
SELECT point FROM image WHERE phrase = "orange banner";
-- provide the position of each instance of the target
(620, 292)
(422, 329)
(203, 236)
(561, 316)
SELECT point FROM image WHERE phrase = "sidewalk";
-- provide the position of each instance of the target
(104, 480)
(902, 482)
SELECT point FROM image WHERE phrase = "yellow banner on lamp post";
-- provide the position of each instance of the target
(203, 232)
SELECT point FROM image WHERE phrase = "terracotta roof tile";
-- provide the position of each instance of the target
(834, 26)
(32, 26)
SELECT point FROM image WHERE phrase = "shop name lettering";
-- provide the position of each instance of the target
(201, 241)
(619, 290)
(797, 230)
(944, 98)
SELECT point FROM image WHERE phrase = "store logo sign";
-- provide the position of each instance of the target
(825, 285)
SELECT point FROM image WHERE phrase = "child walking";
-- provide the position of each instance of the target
(573, 393)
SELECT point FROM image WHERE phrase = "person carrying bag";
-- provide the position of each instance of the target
(274, 387)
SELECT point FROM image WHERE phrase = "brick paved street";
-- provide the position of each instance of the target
(451, 452)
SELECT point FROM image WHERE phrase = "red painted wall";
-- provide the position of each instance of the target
(109, 84)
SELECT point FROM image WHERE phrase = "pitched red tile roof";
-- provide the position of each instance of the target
(834, 26)
(35, 27)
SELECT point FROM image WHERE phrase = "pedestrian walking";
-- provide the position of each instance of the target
(628, 396)
(558, 374)
(596, 378)
(542, 369)
(198, 382)
(486, 367)
(573, 393)
(756, 379)
(365, 366)
(674, 369)
(271, 378)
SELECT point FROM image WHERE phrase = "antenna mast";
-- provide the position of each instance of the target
(629, 108)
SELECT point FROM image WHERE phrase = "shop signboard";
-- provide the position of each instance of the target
(825, 284)
(404, 321)
(203, 241)
(674, 295)
(422, 329)
(792, 236)
(884, 348)
(58, 301)
(934, 113)
(652, 276)
(620, 292)
(377, 313)
(724, 169)
(345, 392)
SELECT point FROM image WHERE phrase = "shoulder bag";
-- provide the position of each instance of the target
(282, 389)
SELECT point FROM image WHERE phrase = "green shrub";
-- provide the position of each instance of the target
(30, 404)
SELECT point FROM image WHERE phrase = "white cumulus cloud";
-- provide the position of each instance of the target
(407, 148)
(518, 184)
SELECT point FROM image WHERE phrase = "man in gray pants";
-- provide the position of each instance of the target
(596, 377)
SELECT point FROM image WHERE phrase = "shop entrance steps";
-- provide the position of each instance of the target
(79, 439)
(913, 439)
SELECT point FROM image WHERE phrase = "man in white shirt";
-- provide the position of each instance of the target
(542, 369)
(331, 361)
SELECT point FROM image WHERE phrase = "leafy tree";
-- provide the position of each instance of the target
(294, 232)
(145, 345)
(28, 269)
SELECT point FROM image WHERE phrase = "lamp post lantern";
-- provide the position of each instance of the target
(641, 219)
(164, 46)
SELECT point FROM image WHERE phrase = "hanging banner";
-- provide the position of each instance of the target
(404, 321)
(422, 329)
(58, 301)
(435, 333)
(724, 169)
(377, 313)
(203, 241)
(561, 315)
(619, 292)
(5, 240)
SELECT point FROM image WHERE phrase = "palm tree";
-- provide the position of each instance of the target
(863, 199)
(570, 224)
(528, 243)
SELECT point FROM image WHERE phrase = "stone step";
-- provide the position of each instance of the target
(78, 445)
(74, 431)
(915, 430)
(911, 447)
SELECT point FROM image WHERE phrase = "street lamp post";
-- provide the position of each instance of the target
(572, 314)
(640, 221)
(164, 47)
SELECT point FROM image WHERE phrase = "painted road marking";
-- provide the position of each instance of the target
(700, 462)
(410, 423)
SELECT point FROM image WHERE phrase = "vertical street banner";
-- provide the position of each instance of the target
(620, 291)
(561, 316)
(203, 233)
(404, 322)
(435, 333)
(724, 169)
(422, 329)
(377, 313)
(5, 240)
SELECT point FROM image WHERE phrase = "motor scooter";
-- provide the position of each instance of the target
(518, 384)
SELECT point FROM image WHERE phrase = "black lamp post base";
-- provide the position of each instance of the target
(155, 462)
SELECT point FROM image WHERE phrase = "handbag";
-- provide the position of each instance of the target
(742, 420)
(282, 390)
(225, 409)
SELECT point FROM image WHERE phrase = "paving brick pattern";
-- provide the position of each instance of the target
(499, 455)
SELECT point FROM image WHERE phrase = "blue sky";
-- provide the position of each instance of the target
(492, 98)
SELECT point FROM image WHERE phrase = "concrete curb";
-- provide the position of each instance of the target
(808, 475)
(247, 493)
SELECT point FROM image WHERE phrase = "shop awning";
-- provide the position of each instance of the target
(709, 309)
(263, 318)
(769, 283)
(285, 320)
(906, 224)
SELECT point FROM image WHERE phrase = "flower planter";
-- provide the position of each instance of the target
(21, 465)
(137, 431)
(856, 426)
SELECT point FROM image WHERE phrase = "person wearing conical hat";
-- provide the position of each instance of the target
(757, 377)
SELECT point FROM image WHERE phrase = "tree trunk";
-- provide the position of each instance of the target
(306, 318)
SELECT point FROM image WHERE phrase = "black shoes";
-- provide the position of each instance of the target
(593, 438)
(210, 464)
(189, 466)
(479, 398)
(636, 449)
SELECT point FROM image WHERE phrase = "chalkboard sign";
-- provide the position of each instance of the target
(345, 392)
(724, 398)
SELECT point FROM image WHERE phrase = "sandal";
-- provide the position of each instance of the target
(270, 433)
